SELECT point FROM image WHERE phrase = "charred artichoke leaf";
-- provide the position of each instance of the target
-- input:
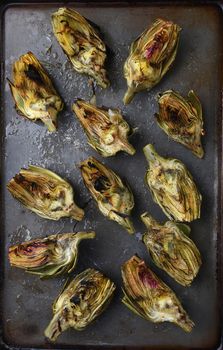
(181, 119)
(45, 193)
(106, 130)
(34, 94)
(84, 299)
(50, 256)
(171, 250)
(172, 187)
(81, 43)
(114, 198)
(150, 57)
(149, 297)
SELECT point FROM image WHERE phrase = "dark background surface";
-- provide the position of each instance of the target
(27, 302)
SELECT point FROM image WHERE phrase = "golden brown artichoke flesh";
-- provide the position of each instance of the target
(34, 94)
(172, 187)
(45, 193)
(149, 297)
(50, 256)
(114, 198)
(106, 130)
(171, 249)
(150, 57)
(84, 299)
(181, 119)
(81, 43)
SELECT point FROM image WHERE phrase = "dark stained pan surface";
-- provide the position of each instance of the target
(26, 301)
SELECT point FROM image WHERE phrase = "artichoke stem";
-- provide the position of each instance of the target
(148, 221)
(186, 324)
(128, 96)
(76, 213)
(56, 326)
(150, 153)
(84, 235)
(127, 147)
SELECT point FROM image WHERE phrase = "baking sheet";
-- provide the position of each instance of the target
(26, 301)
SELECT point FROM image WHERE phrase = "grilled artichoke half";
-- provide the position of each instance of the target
(84, 299)
(150, 57)
(50, 256)
(149, 297)
(45, 193)
(106, 130)
(172, 187)
(115, 199)
(34, 94)
(171, 249)
(181, 119)
(81, 43)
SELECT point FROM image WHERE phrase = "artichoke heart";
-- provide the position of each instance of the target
(84, 299)
(34, 94)
(114, 198)
(50, 256)
(149, 297)
(171, 249)
(106, 130)
(81, 43)
(45, 193)
(150, 57)
(172, 187)
(181, 119)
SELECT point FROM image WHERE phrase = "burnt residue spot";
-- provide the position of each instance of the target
(19, 178)
(59, 326)
(33, 74)
(173, 115)
(101, 183)
(56, 209)
(34, 186)
(91, 165)
(75, 299)
(86, 283)
(88, 114)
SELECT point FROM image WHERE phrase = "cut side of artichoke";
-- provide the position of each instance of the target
(181, 119)
(150, 57)
(172, 187)
(114, 198)
(149, 297)
(106, 130)
(50, 256)
(171, 249)
(34, 94)
(81, 43)
(45, 193)
(84, 299)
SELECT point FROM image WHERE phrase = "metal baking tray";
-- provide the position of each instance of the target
(26, 300)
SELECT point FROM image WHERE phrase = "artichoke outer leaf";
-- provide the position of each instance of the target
(50, 256)
(81, 43)
(171, 249)
(45, 193)
(33, 92)
(113, 197)
(181, 119)
(80, 302)
(172, 187)
(106, 130)
(146, 295)
(150, 57)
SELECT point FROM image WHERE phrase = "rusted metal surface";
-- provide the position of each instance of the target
(25, 300)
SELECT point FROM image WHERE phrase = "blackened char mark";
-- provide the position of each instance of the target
(33, 74)
(101, 183)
